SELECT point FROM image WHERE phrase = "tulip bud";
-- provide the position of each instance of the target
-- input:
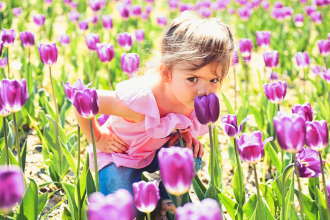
(161, 20)
(308, 163)
(13, 94)
(207, 108)
(139, 35)
(324, 47)
(107, 21)
(91, 41)
(27, 38)
(118, 205)
(39, 19)
(130, 63)
(275, 91)
(7, 37)
(48, 53)
(96, 5)
(124, 11)
(302, 59)
(305, 111)
(83, 25)
(176, 169)
(263, 38)
(230, 125)
(105, 52)
(245, 47)
(136, 10)
(273, 76)
(290, 132)
(207, 209)
(299, 20)
(146, 196)
(86, 102)
(317, 134)
(244, 13)
(11, 187)
(271, 59)
(317, 17)
(310, 9)
(125, 40)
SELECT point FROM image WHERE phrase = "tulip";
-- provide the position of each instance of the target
(318, 70)
(273, 76)
(125, 40)
(130, 63)
(230, 124)
(275, 91)
(86, 102)
(317, 134)
(299, 20)
(271, 59)
(27, 38)
(304, 110)
(107, 21)
(146, 196)
(70, 90)
(92, 40)
(74, 16)
(207, 108)
(105, 52)
(326, 75)
(97, 5)
(94, 19)
(290, 132)
(124, 11)
(263, 38)
(17, 11)
(11, 187)
(161, 20)
(176, 169)
(7, 37)
(48, 53)
(64, 39)
(244, 13)
(39, 19)
(205, 12)
(324, 47)
(251, 146)
(139, 35)
(3, 62)
(302, 59)
(13, 94)
(310, 10)
(83, 25)
(308, 163)
(245, 47)
(207, 209)
(235, 58)
(118, 205)
(136, 10)
(317, 17)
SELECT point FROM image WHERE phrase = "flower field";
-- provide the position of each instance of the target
(267, 147)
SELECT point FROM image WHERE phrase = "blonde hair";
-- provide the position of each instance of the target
(197, 42)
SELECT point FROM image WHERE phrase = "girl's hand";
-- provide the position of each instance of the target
(108, 142)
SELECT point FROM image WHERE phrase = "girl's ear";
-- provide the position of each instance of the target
(165, 73)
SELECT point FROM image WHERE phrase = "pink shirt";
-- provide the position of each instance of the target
(146, 137)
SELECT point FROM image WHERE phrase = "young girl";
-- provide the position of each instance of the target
(147, 111)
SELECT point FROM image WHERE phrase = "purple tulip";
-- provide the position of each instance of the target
(125, 40)
(304, 110)
(71, 90)
(245, 47)
(205, 12)
(107, 21)
(139, 35)
(207, 108)
(326, 75)
(27, 38)
(17, 11)
(230, 124)
(271, 58)
(161, 20)
(39, 19)
(290, 132)
(275, 91)
(308, 163)
(146, 196)
(64, 39)
(136, 10)
(83, 25)
(97, 5)
(302, 59)
(105, 52)
(124, 11)
(86, 102)
(7, 37)
(317, 134)
(91, 41)
(102, 119)
(13, 94)
(273, 76)
(317, 17)
(299, 20)
(176, 169)
(251, 146)
(235, 58)
(48, 53)
(118, 205)
(310, 9)
(244, 13)
(94, 19)
(263, 38)
(324, 47)
(130, 63)
(207, 209)
(3, 62)
(74, 16)
(11, 187)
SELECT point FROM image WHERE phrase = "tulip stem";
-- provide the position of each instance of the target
(212, 153)
(78, 169)
(148, 216)
(8, 63)
(178, 201)
(239, 168)
(94, 155)
(324, 183)
(256, 180)
(299, 188)
(5, 137)
(235, 88)
(17, 142)
(282, 185)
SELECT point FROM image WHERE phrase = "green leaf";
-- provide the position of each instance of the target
(250, 206)
(227, 104)
(262, 211)
(229, 204)
(69, 192)
(258, 116)
(199, 188)
(30, 201)
(238, 186)
(271, 153)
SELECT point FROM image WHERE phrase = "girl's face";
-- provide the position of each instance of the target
(187, 84)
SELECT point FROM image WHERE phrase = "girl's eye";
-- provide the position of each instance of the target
(216, 80)
(193, 79)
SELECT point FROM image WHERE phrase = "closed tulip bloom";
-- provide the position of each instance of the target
(244, 13)
(118, 205)
(48, 53)
(275, 91)
(324, 47)
(308, 163)
(290, 132)
(146, 196)
(302, 59)
(83, 25)
(17, 11)
(299, 20)
(207, 108)
(317, 17)
(273, 76)
(124, 11)
(39, 19)
(91, 41)
(304, 110)
(70, 90)
(317, 134)
(310, 9)
(161, 20)
(105, 52)
(7, 37)
(11, 187)
(139, 35)
(176, 169)
(263, 38)
(64, 39)
(96, 5)
(130, 63)
(125, 40)
(271, 58)
(245, 47)
(107, 21)
(136, 10)
(207, 209)
(13, 94)
(74, 16)
(230, 125)
(86, 103)
(27, 38)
